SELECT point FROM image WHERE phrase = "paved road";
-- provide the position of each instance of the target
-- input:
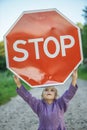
(17, 115)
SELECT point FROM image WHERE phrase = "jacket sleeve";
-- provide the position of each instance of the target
(27, 96)
(66, 97)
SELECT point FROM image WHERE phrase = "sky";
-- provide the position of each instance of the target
(11, 10)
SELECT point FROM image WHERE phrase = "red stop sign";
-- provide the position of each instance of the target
(43, 47)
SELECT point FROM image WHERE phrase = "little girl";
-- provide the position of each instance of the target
(49, 109)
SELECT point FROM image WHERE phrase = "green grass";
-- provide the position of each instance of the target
(7, 87)
(82, 72)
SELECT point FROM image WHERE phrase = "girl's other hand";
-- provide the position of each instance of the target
(75, 74)
(74, 77)
(17, 81)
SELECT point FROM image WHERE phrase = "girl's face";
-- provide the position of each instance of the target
(49, 93)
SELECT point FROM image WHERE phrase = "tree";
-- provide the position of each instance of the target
(85, 14)
(80, 25)
(2, 57)
(84, 40)
(84, 35)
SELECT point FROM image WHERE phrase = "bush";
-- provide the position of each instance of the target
(2, 57)
(82, 71)
(2, 63)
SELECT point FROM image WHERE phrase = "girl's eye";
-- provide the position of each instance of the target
(52, 90)
(46, 89)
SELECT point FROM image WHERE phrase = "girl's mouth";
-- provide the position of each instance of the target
(48, 94)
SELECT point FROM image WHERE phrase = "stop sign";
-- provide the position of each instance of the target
(43, 48)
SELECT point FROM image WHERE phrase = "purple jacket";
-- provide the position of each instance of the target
(51, 116)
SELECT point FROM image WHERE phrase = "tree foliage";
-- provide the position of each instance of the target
(2, 57)
(84, 34)
(84, 40)
(85, 14)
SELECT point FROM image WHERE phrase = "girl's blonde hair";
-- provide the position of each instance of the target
(56, 91)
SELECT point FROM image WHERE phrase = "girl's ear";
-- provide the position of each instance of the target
(56, 94)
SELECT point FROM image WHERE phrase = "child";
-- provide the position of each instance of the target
(49, 109)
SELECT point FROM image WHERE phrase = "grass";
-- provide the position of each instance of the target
(8, 87)
(82, 72)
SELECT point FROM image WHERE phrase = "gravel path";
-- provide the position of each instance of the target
(17, 115)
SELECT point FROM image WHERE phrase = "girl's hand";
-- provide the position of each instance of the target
(17, 81)
(74, 77)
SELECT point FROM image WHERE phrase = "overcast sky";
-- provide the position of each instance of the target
(10, 10)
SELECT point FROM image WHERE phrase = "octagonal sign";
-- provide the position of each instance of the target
(43, 48)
